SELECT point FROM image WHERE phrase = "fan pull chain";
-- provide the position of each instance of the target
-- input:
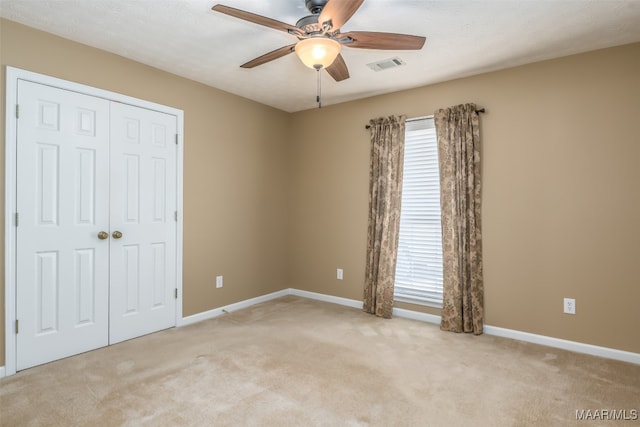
(318, 96)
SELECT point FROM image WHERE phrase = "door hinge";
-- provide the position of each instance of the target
(17, 218)
(176, 216)
(176, 139)
(176, 293)
(17, 111)
(17, 328)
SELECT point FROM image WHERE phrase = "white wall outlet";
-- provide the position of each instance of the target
(218, 281)
(570, 306)
(339, 274)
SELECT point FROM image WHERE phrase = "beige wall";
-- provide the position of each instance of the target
(561, 193)
(276, 200)
(234, 167)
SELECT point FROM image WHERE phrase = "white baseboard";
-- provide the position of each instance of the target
(416, 315)
(326, 298)
(594, 350)
(210, 314)
(578, 347)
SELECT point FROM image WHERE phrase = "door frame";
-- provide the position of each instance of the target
(13, 75)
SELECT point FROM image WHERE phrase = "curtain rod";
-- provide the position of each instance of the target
(413, 119)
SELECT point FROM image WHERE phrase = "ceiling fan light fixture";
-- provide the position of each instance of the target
(317, 52)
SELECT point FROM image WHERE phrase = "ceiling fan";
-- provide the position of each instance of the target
(320, 39)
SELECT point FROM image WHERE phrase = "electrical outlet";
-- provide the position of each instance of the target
(570, 306)
(339, 274)
(218, 281)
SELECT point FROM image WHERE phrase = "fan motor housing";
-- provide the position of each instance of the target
(309, 24)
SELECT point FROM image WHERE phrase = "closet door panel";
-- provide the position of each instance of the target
(143, 225)
(62, 187)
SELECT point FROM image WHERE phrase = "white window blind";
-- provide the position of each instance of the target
(419, 264)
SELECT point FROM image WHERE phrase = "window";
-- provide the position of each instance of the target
(419, 265)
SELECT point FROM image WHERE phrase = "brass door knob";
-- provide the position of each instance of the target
(103, 235)
(117, 234)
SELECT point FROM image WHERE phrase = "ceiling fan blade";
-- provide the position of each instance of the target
(375, 40)
(267, 57)
(338, 70)
(338, 12)
(257, 19)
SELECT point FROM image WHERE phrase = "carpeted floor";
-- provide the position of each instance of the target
(299, 362)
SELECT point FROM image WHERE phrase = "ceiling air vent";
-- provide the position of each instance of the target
(385, 64)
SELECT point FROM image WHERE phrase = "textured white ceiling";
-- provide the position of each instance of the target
(464, 37)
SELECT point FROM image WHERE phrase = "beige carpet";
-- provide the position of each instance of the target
(298, 362)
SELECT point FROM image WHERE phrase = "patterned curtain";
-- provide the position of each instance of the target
(385, 195)
(459, 156)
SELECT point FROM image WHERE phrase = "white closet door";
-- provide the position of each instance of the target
(62, 270)
(143, 205)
